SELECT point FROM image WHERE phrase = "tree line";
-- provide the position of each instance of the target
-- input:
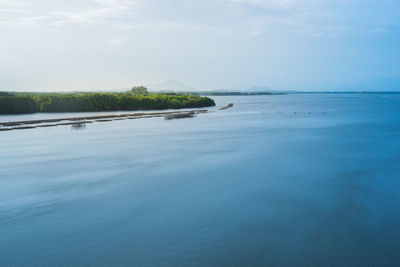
(14, 104)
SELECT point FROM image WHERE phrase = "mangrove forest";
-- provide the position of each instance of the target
(18, 103)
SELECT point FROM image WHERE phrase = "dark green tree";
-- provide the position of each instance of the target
(139, 90)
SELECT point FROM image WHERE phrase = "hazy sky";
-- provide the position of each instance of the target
(208, 44)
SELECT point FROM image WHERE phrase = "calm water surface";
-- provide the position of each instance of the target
(291, 180)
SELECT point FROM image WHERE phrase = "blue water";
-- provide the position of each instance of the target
(290, 180)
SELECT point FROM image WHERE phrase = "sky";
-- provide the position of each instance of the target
(311, 45)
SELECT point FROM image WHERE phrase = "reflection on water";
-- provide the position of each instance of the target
(288, 180)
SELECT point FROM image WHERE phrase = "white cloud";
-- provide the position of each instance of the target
(254, 33)
(89, 11)
(103, 9)
(115, 42)
(272, 4)
(13, 10)
(243, 17)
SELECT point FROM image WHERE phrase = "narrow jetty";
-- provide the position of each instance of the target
(75, 121)
(226, 107)
(80, 122)
(173, 116)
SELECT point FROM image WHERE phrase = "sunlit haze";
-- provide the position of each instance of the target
(312, 45)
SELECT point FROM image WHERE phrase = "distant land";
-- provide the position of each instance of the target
(266, 90)
(236, 93)
(178, 87)
(181, 88)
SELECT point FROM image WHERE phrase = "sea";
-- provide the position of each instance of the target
(278, 180)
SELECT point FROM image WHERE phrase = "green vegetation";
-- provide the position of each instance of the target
(139, 90)
(79, 102)
(17, 104)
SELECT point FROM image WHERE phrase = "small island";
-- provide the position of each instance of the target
(138, 98)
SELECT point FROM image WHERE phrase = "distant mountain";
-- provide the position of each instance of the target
(171, 85)
(257, 89)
